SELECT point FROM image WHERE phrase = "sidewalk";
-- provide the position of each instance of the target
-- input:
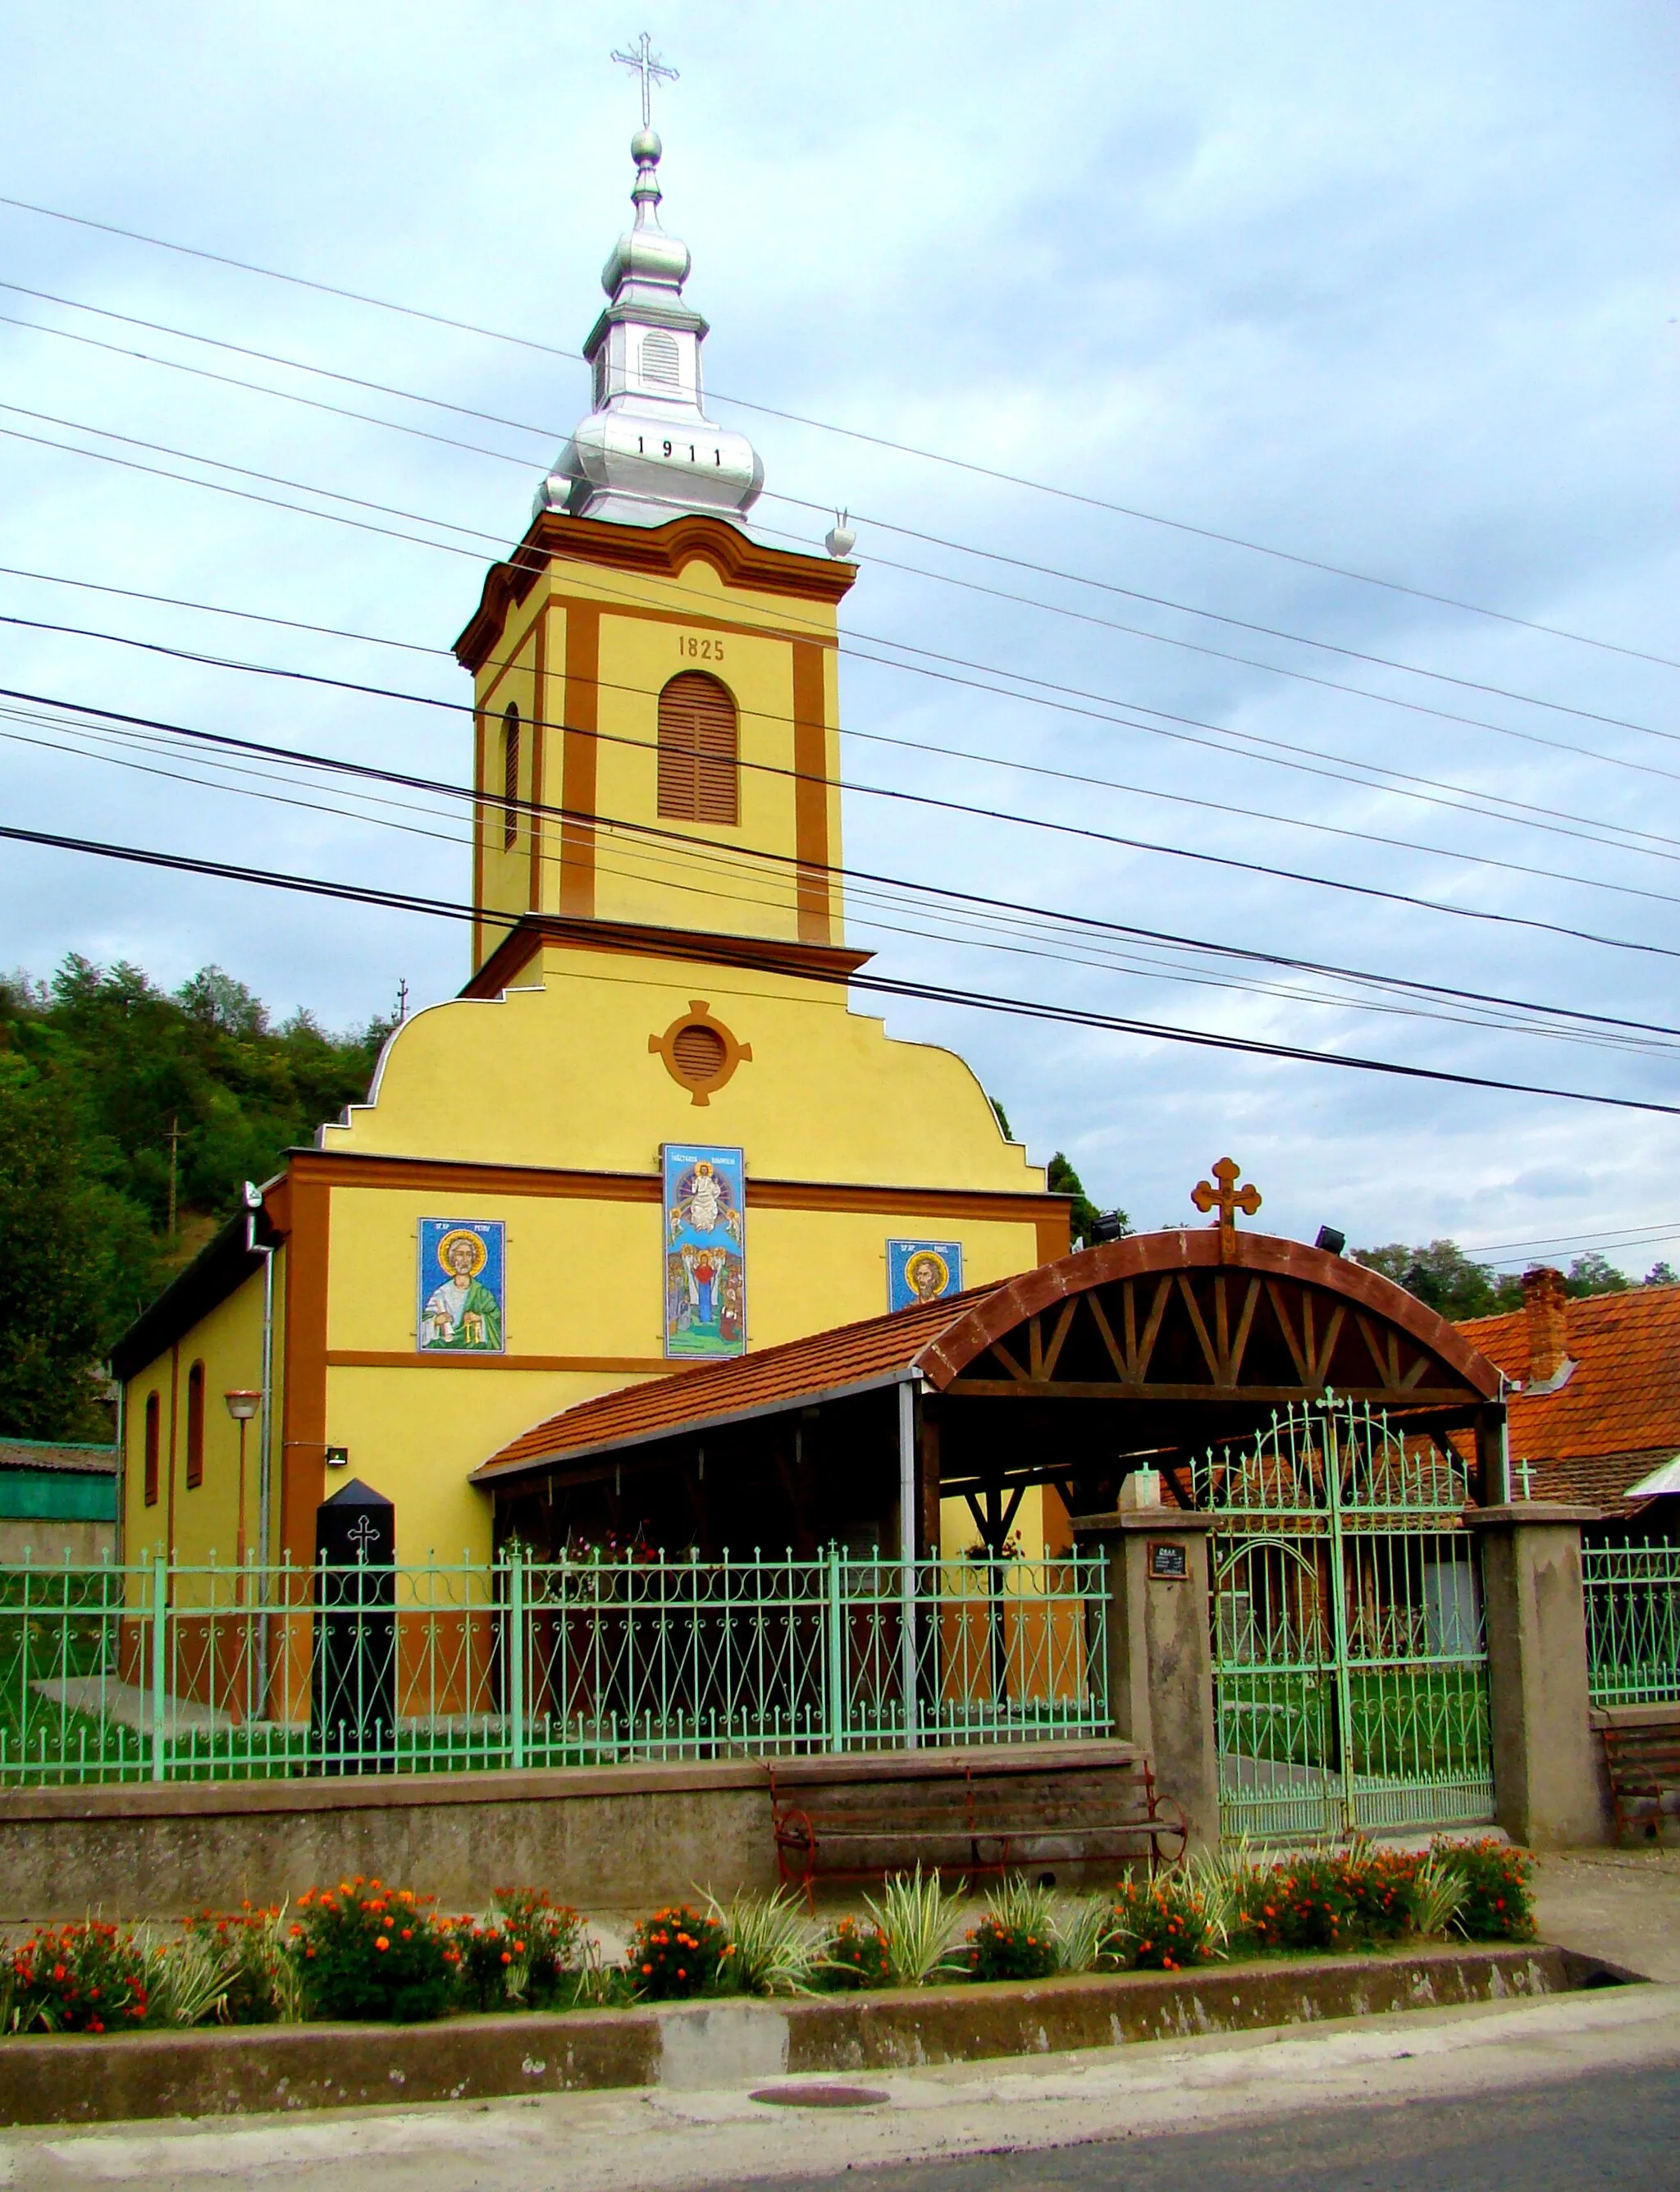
(1621, 1906)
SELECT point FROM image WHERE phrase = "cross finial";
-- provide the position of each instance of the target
(651, 70)
(1230, 1198)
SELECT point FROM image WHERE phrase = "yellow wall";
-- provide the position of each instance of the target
(228, 1341)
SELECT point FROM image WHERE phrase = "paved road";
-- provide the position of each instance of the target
(1600, 2133)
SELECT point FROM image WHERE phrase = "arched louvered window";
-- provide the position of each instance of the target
(510, 776)
(195, 1426)
(154, 1414)
(661, 360)
(698, 771)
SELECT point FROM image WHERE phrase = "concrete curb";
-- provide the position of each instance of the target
(74, 2078)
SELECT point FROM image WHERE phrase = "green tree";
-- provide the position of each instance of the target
(1060, 1179)
(1442, 1275)
(1662, 1274)
(1592, 1275)
(75, 1260)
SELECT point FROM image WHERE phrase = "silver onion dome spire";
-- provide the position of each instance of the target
(647, 452)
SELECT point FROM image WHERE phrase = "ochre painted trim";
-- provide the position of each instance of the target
(303, 1464)
(581, 714)
(174, 1399)
(373, 1358)
(768, 955)
(660, 551)
(480, 815)
(701, 620)
(539, 724)
(810, 793)
(321, 1168)
(1055, 1233)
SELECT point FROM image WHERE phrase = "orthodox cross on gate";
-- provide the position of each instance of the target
(1230, 1198)
(651, 70)
(364, 1537)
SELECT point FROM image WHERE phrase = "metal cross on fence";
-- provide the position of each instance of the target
(1230, 1199)
(651, 70)
(364, 1537)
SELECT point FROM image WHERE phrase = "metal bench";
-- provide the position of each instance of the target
(969, 1814)
(1643, 1759)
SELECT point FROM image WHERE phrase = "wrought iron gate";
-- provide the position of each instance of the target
(1350, 1667)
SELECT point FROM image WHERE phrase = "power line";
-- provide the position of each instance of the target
(1129, 843)
(849, 433)
(883, 986)
(887, 525)
(689, 844)
(1180, 729)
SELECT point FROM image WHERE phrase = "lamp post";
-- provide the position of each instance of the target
(242, 1405)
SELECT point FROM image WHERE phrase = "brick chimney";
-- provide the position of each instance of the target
(1548, 1312)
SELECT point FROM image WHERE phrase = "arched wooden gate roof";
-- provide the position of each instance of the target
(1170, 1318)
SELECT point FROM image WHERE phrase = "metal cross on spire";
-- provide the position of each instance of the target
(651, 70)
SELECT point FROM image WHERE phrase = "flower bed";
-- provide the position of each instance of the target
(367, 1952)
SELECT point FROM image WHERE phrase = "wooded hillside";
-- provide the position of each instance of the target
(102, 1076)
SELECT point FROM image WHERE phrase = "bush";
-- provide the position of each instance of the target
(521, 1954)
(856, 1956)
(373, 1952)
(86, 1978)
(998, 1951)
(772, 1944)
(262, 1979)
(1499, 1904)
(677, 1952)
(1162, 1924)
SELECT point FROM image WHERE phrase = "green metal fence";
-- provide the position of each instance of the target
(1350, 1667)
(169, 1671)
(1632, 1595)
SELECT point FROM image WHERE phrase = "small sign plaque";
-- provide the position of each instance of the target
(1169, 1560)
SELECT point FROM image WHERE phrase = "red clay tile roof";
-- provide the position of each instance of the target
(851, 1354)
(1618, 1413)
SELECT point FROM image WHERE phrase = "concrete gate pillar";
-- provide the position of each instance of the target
(1160, 1661)
(1545, 1786)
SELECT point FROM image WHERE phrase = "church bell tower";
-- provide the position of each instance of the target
(656, 703)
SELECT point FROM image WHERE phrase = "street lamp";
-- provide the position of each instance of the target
(242, 1405)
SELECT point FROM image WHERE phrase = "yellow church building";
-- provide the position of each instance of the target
(649, 1132)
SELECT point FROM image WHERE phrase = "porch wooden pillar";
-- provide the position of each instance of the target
(1159, 1646)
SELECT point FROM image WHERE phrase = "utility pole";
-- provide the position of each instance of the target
(401, 1001)
(175, 1144)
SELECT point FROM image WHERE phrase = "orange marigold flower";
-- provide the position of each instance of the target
(382, 1943)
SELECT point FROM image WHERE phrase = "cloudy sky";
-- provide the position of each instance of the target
(1390, 290)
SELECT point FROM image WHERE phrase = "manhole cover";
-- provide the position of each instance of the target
(820, 2096)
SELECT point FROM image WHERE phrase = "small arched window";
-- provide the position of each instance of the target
(699, 743)
(195, 1426)
(510, 776)
(153, 1442)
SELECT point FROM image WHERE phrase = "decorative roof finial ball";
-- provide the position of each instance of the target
(645, 145)
(842, 538)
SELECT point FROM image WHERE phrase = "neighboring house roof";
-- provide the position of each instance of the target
(57, 1454)
(44, 1480)
(1610, 1413)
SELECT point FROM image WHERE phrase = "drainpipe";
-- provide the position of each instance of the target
(908, 1516)
(265, 1250)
